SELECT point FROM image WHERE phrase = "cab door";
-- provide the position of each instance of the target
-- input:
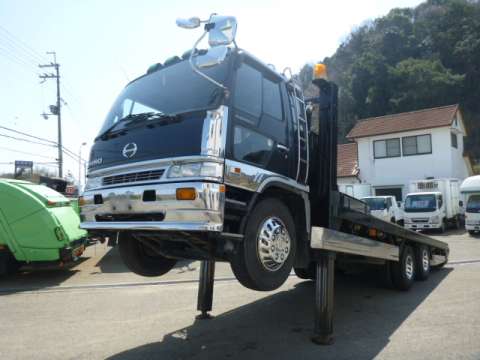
(259, 131)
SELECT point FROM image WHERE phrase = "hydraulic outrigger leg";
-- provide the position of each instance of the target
(205, 289)
(324, 288)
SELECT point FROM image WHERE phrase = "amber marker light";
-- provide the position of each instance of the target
(186, 194)
(320, 71)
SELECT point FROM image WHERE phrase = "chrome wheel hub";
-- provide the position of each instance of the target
(273, 244)
(409, 266)
(425, 260)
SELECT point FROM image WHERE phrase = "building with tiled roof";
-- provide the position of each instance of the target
(393, 150)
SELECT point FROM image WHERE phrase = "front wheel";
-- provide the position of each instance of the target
(265, 258)
(141, 259)
(471, 232)
(443, 228)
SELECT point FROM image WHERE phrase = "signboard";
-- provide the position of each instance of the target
(23, 169)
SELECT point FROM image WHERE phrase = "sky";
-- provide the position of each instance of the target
(102, 45)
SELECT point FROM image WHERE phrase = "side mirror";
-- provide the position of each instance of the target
(191, 23)
(214, 56)
(222, 30)
(460, 203)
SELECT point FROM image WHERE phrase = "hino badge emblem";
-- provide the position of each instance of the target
(129, 150)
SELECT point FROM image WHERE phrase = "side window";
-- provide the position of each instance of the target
(250, 146)
(248, 90)
(272, 102)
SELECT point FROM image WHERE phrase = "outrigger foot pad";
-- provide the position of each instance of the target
(204, 316)
(323, 339)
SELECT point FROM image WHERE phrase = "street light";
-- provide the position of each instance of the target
(80, 165)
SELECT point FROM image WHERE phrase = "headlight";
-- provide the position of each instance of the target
(93, 183)
(202, 169)
(435, 219)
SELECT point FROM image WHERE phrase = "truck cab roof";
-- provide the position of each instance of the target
(426, 193)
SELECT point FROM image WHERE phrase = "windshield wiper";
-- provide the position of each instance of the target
(133, 118)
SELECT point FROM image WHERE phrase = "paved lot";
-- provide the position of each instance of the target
(99, 310)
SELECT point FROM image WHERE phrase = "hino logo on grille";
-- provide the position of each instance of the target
(129, 150)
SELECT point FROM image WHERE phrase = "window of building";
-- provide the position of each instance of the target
(250, 146)
(454, 140)
(417, 145)
(248, 90)
(386, 148)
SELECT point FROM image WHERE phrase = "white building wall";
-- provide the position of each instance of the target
(444, 161)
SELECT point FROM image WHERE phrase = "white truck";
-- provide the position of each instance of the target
(433, 204)
(384, 208)
(470, 190)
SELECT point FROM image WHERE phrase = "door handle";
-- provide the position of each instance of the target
(282, 147)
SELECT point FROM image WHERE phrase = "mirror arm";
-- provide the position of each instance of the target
(195, 69)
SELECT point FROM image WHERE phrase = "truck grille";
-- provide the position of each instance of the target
(420, 220)
(133, 177)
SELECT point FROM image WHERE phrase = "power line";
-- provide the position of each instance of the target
(26, 140)
(23, 45)
(26, 153)
(26, 134)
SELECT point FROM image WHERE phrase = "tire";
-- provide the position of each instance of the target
(443, 228)
(8, 264)
(306, 274)
(140, 259)
(403, 271)
(458, 224)
(471, 232)
(259, 262)
(422, 262)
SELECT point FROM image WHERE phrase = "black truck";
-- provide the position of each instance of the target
(216, 156)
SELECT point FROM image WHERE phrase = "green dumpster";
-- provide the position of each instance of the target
(37, 225)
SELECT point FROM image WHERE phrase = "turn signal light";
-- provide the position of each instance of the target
(372, 232)
(186, 194)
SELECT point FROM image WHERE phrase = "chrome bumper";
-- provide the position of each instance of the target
(205, 213)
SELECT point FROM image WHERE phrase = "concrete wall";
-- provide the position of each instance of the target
(348, 180)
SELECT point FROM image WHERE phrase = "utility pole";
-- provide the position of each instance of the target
(55, 109)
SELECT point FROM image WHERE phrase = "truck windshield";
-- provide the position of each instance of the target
(473, 205)
(420, 203)
(172, 90)
(376, 203)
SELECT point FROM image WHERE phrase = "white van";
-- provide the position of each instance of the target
(470, 190)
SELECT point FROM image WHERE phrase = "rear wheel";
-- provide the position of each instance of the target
(403, 271)
(265, 258)
(8, 264)
(141, 259)
(422, 262)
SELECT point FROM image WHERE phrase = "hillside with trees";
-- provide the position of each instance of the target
(411, 59)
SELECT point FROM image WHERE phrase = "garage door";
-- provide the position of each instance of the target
(393, 191)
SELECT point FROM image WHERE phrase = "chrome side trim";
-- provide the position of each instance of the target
(152, 226)
(327, 239)
(214, 132)
(254, 178)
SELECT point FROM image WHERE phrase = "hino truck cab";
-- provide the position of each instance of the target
(204, 157)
